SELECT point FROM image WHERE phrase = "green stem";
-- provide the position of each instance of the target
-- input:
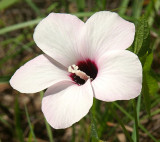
(30, 125)
(136, 120)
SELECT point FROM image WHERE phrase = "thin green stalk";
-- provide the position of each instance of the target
(136, 138)
(6, 3)
(137, 111)
(157, 111)
(137, 8)
(33, 6)
(73, 134)
(19, 130)
(30, 125)
(49, 130)
(139, 106)
(123, 6)
(20, 26)
(94, 134)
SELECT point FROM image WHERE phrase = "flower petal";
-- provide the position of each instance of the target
(37, 74)
(66, 103)
(57, 36)
(106, 31)
(119, 76)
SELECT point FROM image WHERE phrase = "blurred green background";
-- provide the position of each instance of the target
(21, 118)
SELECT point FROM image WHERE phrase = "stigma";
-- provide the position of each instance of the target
(75, 69)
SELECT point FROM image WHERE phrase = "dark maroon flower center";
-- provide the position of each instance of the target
(87, 66)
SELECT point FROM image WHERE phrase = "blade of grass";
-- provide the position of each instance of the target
(33, 6)
(152, 114)
(138, 111)
(19, 130)
(20, 26)
(157, 100)
(30, 137)
(123, 6)
(36, 21)
(139, 106)
(49, 130)
(30, 125)
(52, 7)
(137, 8)
(121, 123)
(131, 118)
(135, 134)
(73, 134)
(6, 3)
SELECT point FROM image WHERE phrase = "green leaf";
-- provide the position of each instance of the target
(155, 75)
(145, 93)
(150, 79)
(142, 38)
(149, 85)
(148, 62)
(152, 83)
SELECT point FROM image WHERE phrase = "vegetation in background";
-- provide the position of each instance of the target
(21, 118)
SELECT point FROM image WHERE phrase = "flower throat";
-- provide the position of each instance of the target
(83, 71)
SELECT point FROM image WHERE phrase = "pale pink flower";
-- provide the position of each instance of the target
(81, 61)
